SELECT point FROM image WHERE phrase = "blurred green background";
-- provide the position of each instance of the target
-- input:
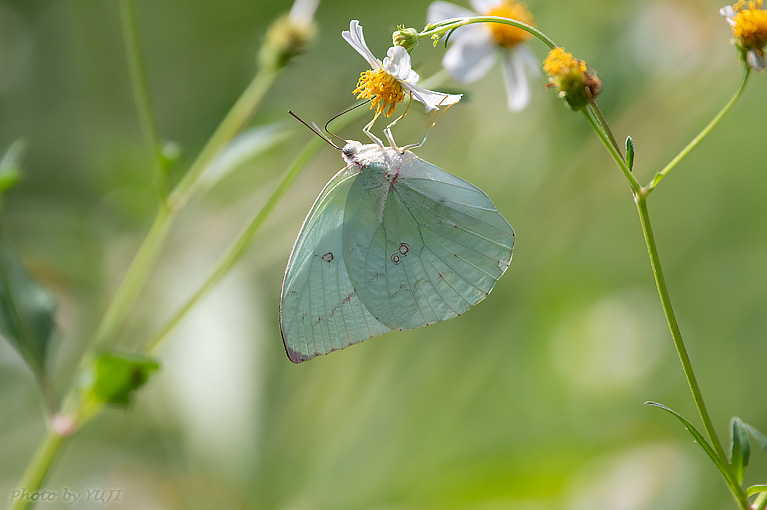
(531, 401)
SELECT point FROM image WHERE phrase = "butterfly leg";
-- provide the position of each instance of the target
(373, 137)
(432, 123)
(387, 129)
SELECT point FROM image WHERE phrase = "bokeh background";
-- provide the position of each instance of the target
(531, 401)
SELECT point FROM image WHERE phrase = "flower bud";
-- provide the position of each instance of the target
(405, 37)
(286, 39)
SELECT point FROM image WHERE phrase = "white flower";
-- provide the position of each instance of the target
(474, 47)
(388, 81)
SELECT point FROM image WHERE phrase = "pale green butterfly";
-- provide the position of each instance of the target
(392, 242)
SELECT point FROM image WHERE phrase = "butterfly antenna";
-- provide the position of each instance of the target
(342, 113)
(316, 131)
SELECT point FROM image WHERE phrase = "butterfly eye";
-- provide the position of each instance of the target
(349, 150)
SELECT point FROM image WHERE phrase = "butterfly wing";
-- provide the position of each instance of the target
(421, 245)
(319, 310)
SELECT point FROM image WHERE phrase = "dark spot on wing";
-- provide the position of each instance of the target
(327, 257)
(395, 259)
(404, 248)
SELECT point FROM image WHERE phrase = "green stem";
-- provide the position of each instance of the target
(760, 503)
(445, 26)
(676, 335)
(234, 121)
(699, 138)
(39, 468)
(240, 244)
(140, 88)
(603, 121)
(612, 149)
(135, 277)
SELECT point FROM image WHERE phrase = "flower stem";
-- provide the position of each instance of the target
(140, 87)
(706, 130)
(612, 149)
(676, 335)
(240, 244)
(40, 467)
(234, 121)
(445, 26)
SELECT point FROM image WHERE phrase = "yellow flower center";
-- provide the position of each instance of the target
(506, 35)
(383, 90)
(559, 63)
(750, 24)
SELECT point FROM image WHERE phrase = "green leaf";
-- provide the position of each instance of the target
(697, 436)
(755, 489)
(740, 448)
(10, 165)
(113, 377)
(757, 435)
(630, 152)
(27, 311)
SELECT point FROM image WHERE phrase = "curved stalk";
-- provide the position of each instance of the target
(699, 138)
(445, 26)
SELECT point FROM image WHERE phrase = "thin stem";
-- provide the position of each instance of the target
(605, 125)
(39, 468)
(676, 335)
(240, 244)
(699, 138)
(140, 88)
(445, 26)
(134, 278)
(760, 503)
(234, 121)
(612, 149)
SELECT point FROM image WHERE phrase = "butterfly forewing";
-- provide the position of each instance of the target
(421, 245)
(319, 309)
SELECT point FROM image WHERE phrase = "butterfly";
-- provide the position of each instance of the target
(392, 242)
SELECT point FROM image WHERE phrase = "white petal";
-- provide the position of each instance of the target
(397, 64)
(354, 37)
(439, 11)
(303, 10)
(517, 88)
(469, 58)
(530, 60)
(432, 100)
(482, 6)
(756, 60)
(727, 11)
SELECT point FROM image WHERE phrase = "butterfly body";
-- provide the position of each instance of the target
(392, 242)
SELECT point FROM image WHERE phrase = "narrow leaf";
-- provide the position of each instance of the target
(740, 449)
(630, 152)
(10, 165)
(27, 311)
(755, 489)
(114, 376)
(757, 435)
(697, 436)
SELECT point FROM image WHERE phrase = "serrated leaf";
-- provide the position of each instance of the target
(740, 448)
(27, 311)
(757, 435)
(113, 377)
(630, 152)
(697, 436)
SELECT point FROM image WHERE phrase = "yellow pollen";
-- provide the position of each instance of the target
(383, 90)
(750, 27)
(506, 35)
(560, 63)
